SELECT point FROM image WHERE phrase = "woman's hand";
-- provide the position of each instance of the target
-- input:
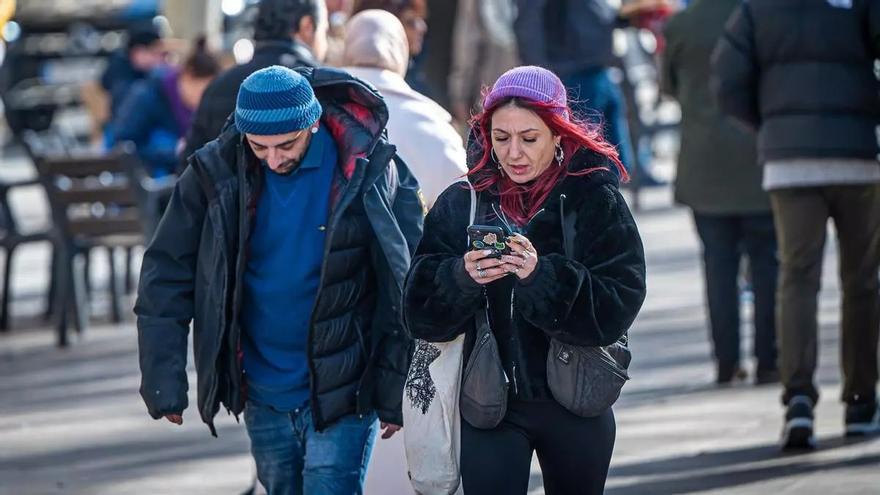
(523, 258)
(484, 269)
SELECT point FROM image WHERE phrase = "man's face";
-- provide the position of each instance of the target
(281, 153)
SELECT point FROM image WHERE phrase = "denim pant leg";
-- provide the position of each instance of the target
(276, 448)
(759, 240)
(336, 458)
(720, 236)
(598, 100)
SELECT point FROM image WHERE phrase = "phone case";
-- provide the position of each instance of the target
(488, 237)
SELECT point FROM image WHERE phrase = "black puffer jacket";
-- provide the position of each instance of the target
(589, 300)
(193, 269)
(801, 72)
(218, 102)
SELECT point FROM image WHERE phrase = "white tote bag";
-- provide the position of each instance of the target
(431, 418)
(432, 423)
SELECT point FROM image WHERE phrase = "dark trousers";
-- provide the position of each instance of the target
(801, 218)
(726, 238)
(574, 452)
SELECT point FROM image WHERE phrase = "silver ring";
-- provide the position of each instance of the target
(481, 273)
(478, 266)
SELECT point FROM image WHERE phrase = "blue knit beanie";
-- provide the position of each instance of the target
(275, 100)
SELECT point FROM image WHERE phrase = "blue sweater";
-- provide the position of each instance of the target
(283, 275)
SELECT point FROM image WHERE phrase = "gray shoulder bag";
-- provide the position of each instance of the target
(483, 396)
(586, 380)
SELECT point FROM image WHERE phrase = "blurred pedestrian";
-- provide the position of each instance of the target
(158, 111)
(376, 51)
(413, 15)
(807, 85)
(719, 179)
(484, 48)
(573, 38)
(144, 51)
(530, 164)
(286, 243)
(292, 33)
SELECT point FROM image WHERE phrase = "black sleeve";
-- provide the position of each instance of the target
(735, 69)
(593, 299)
(440, 297)
(394, 346)
(165, 301)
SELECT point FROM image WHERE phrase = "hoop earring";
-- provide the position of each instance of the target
(560, 155)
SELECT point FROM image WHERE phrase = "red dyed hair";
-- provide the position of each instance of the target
(520, 202)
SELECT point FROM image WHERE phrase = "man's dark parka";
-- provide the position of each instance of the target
(193, 268)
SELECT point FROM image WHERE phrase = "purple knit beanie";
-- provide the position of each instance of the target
(530, 83)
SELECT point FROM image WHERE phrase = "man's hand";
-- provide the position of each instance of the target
(175, 418)
(389, 430)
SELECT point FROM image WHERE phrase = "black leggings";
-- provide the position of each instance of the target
(574, 452)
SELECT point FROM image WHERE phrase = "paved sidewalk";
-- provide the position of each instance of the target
(71, 421)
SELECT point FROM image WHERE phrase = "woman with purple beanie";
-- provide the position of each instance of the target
(575, 273)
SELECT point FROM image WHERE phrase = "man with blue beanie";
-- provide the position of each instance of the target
(286, 244)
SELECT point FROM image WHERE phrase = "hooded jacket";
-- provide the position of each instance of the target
(358, 353)
(589, 300)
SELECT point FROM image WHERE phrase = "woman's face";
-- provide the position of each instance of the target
(523, 143)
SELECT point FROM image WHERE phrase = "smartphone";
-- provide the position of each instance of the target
(488, 237)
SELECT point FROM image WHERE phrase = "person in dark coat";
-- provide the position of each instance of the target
(532, 167)
(157, 111)
(719, 179)
(801, 74)
(143, 52)
(292, 33)
(286, 243)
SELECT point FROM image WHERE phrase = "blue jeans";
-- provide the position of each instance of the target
(597, 99)
(294, 459)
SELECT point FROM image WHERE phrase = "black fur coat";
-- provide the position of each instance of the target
(589, 300)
